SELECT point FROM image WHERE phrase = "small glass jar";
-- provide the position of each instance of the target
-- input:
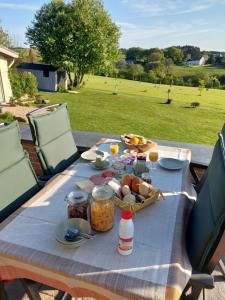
(77, 205)
(140, 166)
(102, 208)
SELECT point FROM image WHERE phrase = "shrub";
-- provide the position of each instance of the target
(195, 104)
(8, 116)
(23, 83)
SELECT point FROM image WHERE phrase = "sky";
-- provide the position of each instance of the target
(143, 23)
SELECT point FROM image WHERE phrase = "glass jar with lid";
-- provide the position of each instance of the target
(102, 208)
(77, 204)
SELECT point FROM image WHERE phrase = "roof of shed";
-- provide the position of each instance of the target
(8, 52)
(41, 67)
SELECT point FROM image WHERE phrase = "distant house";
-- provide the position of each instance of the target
(7, 58)
(195, 61)
(49, 77)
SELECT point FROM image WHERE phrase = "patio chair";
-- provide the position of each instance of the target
(206, 225)
(53, 138)
(18, 181)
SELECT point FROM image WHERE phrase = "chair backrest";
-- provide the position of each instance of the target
(18, 181)
(207, 220)
(53, 138)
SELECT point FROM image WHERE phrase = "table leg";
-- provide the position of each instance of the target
(3, 295)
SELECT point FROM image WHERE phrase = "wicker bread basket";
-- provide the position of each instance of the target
(156, 195)
(139, 147)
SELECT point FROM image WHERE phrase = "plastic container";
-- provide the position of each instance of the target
(126, 233)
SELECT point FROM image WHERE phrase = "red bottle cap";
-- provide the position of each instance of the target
(126, 215)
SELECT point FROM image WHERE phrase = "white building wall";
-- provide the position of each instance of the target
(44, 83)
(7, 91)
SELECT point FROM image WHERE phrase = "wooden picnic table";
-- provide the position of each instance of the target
(158, 268)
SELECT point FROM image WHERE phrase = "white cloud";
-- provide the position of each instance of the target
(164, 35)
(125, 25)
(22, 6)
(170, 7)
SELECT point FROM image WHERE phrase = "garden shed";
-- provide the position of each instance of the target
(50, 78)
(7, 59)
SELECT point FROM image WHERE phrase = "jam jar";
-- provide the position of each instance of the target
(102, 208)
(77, 204)
(140, 166)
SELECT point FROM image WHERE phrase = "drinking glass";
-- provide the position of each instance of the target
(153, 157)
(114, 150)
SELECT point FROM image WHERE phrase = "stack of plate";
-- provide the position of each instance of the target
(61, 230)
(171, 163)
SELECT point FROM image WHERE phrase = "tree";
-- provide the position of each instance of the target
(135, 52)
(176, 54)
(159, 70)
(136, 70)
(4, 38)
(78, 36)
(156, 56)
(201, 86)
(168, 66)
(152, 76)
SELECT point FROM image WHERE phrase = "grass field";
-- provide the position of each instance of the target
(186, 70)
(138, 108)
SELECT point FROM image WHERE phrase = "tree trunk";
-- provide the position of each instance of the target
(78, 78)
(70, 78)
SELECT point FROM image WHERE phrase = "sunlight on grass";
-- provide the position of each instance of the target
(138, 107)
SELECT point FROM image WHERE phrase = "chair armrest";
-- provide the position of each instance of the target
(202, 280)
(42, 183)
(192, 170)
(82, 149)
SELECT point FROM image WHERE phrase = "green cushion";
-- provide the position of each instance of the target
(18, 182)
(54, 140)
(207, 220)
(11, 147)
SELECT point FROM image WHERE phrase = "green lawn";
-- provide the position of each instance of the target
(186, 70)
(138, 108)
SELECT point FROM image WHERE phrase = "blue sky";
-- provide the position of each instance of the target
(144, 23)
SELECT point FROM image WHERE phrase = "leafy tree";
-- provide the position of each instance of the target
(135, 52)
(78, 36)
(136, 70)
(4, 38)
(168, 66)
(152, 76)
(156, 56)
(190, 51)
(159, 70)
(176, 54)
(201, 86)
(212, 60)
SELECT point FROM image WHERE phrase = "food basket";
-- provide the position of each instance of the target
(125, 138)
(156, 195)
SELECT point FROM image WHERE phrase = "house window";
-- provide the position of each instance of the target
(45, 73)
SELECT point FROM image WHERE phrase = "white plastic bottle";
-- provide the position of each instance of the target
(126, 233)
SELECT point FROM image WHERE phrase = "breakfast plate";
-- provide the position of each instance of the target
(171, 163)
(61, 230)
(92, 154)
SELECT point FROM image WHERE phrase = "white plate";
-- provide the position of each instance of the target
(171, 163)
(92, 154)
